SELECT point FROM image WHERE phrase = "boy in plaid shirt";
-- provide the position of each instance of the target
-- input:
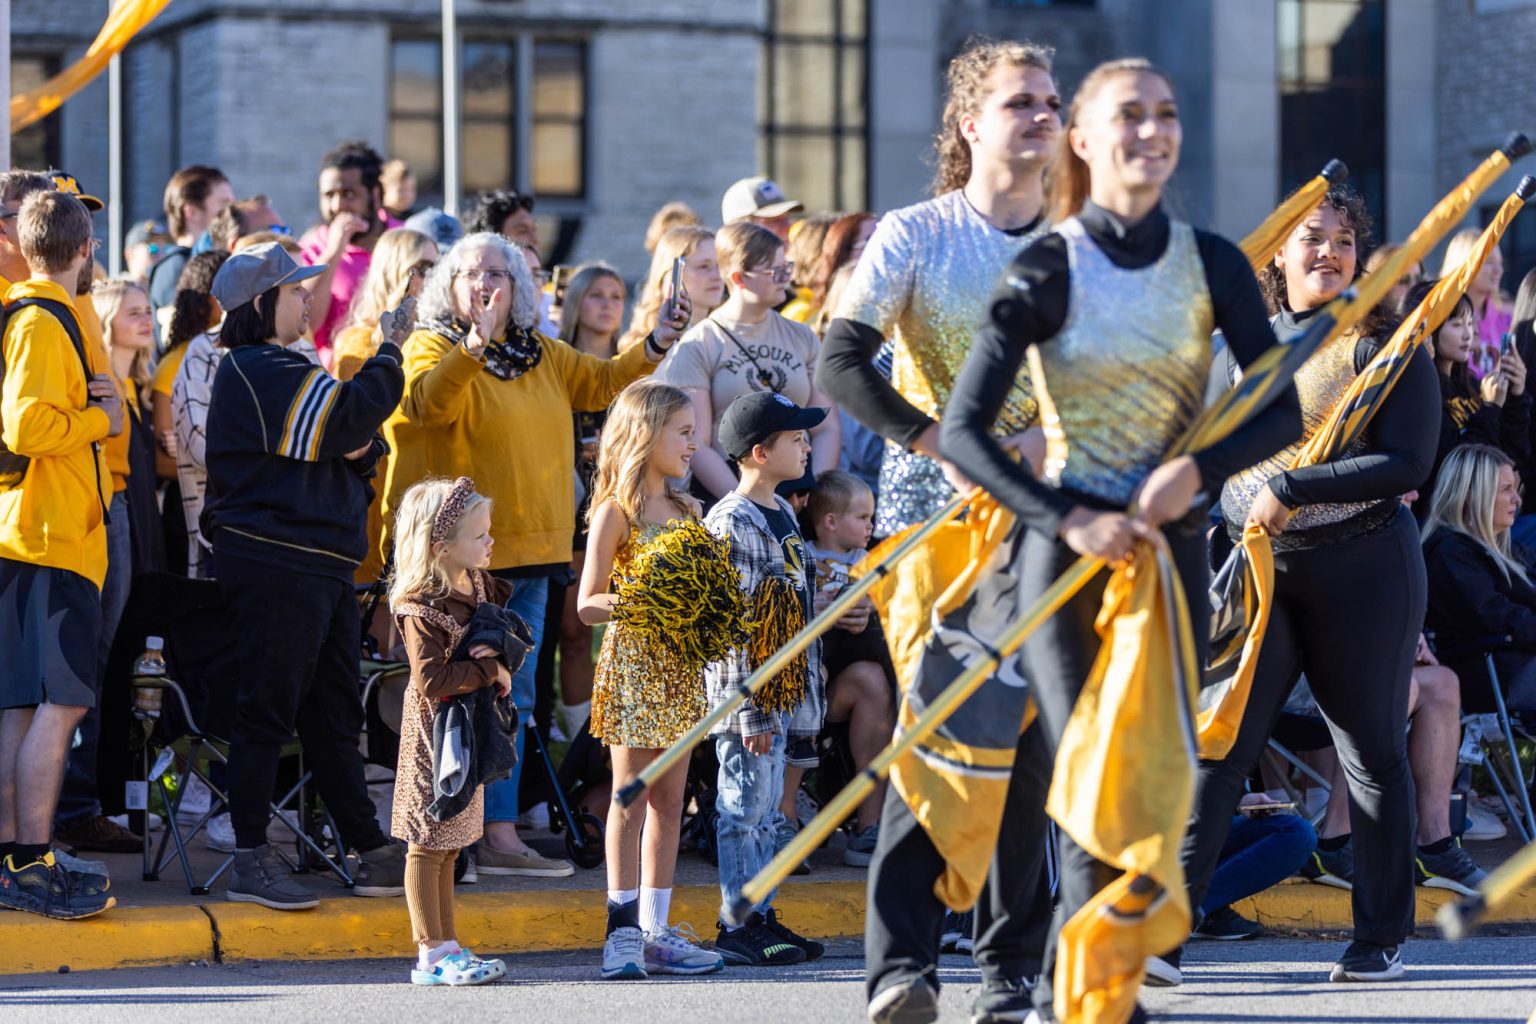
(764, 434)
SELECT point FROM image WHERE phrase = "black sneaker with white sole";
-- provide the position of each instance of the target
(1163, 971)
(1366, 961)
(1226, 925)
(753, 945)
(1003, 1001)
(907, 999)
(1453, 870)
(957, 927)
(1331, 867)
(810, 947)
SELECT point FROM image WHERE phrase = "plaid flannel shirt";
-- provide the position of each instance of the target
(757, 555)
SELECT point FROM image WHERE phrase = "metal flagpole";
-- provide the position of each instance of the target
(5, 84)
(115, 163)
(450, 109)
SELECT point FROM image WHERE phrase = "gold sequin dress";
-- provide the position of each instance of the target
(641, 696)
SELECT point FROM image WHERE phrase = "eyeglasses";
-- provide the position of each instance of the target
(422, 269)
(782, 272)
(280, 229)
(490, 277)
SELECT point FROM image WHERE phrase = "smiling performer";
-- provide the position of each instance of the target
(924, 280)
(1114, 309)
(1350, 592)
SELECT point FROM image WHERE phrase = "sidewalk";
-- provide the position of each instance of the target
(159, 923)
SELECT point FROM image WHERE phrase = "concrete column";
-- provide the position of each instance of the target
(1245, 115)
(906, 95)
(1411, 142)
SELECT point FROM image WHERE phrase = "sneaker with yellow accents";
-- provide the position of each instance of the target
(43, 887)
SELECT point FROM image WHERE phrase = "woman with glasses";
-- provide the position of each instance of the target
(489, 397)
(745, 346)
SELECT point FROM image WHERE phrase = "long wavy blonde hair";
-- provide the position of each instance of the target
(418, 573)
(676, 242)
(107, 298)
(1466, 492)
(388, 277)
(629, 436)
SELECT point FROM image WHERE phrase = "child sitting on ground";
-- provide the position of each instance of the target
(442, 547)
(764, 435)
(861, 681)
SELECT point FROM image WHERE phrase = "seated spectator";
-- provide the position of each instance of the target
(286, 517)
(351, 208)
(244, 217)
(399, 183)
(489, 397)
(702, 282)
(806, 237)
(58, 404)
(506, 212)
(1495, 411)
(1263, 849)
(861, 681)
(1523, 327)
(671, 215)
(746, 346)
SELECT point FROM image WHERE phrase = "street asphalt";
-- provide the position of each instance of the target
(1486, 979)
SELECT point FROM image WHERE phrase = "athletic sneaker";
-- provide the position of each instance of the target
(909, 999)
(624, 955)
(1366, 961)
(1227, 925)
(811, 947)
(461, 968)
(1163, 972)
(753, 945)
(786, 832)
(956, 928)
(1003, 1001)
(676, 950)
(43, 887)
(861, 848)
(1453, 870)
(1331, 867)
(260, 876)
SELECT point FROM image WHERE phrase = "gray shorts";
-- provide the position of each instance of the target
(50, 625)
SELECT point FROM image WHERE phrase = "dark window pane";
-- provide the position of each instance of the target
(416, 87)
(488, 81)
(805, 17)
(804, 89)
(37, 145)
(487, 160)
(559, 87)
(557, 159)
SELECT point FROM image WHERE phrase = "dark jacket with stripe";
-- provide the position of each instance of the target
(280, 487)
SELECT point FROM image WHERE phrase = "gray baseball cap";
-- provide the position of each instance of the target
(252, 271)
(442, 228)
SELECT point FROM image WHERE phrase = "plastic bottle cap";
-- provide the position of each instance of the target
(154, 643)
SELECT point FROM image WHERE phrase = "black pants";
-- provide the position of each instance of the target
(293, 666)
(1013, 912)
(1349, 616)
(1057, 661)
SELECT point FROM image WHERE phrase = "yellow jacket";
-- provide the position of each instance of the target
(54, 517)
(514, 437)
(115, 448)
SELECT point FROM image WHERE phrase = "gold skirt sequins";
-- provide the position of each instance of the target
(641, 696)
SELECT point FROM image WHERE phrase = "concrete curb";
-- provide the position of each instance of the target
(350, 927)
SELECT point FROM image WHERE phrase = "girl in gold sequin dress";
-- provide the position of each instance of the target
(643, 697)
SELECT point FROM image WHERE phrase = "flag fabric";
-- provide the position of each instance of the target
(123, 23)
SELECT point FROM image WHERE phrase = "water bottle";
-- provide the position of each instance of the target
(150, 664)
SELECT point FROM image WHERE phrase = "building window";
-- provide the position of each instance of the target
(1333, 63)
(37, 145)
(813, 99)
(498, 120)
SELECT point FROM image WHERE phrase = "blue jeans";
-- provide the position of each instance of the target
(750, 787)
(1259, 853)
(79, 797)
(529, 596)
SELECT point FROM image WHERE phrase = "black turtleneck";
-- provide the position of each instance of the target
(1030, 307)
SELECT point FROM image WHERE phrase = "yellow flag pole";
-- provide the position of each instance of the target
(1260, 245)
(1458, 920)
(850, 596)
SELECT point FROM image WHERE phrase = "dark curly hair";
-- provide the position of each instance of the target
(355, 154)
(1349, 205)
(193, 310)
(492, 209)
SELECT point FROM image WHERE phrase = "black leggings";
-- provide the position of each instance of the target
(1348, 615)
(1057, 661)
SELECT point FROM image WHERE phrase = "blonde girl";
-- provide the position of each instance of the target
(642, 699)
(442, 547)
(400, 264)
(701, 280)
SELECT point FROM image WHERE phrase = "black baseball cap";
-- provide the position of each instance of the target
(65, 182)
(754, 417)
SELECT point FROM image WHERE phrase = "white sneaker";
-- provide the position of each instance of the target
(676, 951)
(535, 817)
(1482, 826)
(219, 834)
(195, 801)
(1162, 974)
(152, 822)
(624, 955)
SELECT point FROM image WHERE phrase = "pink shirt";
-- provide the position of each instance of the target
(1491, 328)
(350, 270)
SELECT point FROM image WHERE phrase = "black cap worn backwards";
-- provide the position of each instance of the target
(754, 417)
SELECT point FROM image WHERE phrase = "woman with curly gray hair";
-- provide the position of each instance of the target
(487, 396)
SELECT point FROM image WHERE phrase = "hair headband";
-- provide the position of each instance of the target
(453, 508)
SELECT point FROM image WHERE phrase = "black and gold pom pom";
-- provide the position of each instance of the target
(681, 592)
(776, 616)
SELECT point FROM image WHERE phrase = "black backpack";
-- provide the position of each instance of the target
(13, 467)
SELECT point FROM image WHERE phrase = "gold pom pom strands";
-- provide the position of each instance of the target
(777, 615)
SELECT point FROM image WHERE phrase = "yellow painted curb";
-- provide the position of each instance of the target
(1307, 906)
(121, 937)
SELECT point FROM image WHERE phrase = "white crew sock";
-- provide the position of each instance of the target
(623, 897)
(428, 957)
(655, 908)
(574, 716)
